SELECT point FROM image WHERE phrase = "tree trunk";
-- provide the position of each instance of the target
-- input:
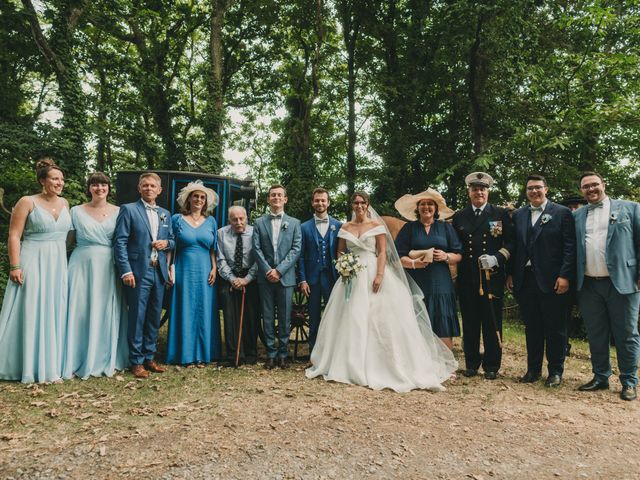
(216, 112)
(155, 95)
(350, 12)
(58, 52)
(477, 80)
(102, 132)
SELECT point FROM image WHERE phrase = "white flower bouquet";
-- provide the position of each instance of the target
(348, 266)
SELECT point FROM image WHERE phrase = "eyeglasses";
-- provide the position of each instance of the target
(535, 188)
(589, 186)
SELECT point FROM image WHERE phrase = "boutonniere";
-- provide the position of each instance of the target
(613, 218)
(333, 228)
(163, 217)
(545, 218)
(495, 228)
(285, 225)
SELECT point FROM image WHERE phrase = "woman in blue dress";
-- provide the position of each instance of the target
(194, 328)
(96, 342)
(427, 247)
(34, 310)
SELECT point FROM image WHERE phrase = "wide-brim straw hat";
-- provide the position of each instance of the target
(407, 204)
(198, 186)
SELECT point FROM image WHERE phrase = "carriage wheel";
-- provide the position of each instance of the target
(299, 322)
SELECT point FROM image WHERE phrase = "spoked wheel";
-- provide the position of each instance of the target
(299, 323)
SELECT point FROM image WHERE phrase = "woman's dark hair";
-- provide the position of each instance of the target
(43, 166)
(186, 209)
(435, 215)
(97, 178)
(363, 195)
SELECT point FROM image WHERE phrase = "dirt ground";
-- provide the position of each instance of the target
(251, 423)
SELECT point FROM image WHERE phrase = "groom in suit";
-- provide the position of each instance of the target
(608, 282)
(319, 250)
(142, 238)
(542, 267)
(277, 241)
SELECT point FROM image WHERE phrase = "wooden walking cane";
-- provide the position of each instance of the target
(490, 297)
(240, 332)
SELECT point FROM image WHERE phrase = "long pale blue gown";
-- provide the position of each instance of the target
(33, 316)
(194, 327)
(97, 320)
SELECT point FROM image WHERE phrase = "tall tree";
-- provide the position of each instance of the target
(59, 48)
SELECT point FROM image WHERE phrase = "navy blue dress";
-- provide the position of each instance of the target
(194, 328)
(435, 280)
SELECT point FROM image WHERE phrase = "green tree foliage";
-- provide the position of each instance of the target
(390, 96)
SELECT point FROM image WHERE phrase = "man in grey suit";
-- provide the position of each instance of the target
(277, 241)
(608, 282)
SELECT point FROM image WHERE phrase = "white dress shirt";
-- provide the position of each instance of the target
(276, 225)
(321, 226)
(535, 214)
(226, 251)
(596, 230)
(478, 208)
(152, 215)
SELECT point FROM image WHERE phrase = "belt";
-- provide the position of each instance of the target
(154, 263)
(597, 278)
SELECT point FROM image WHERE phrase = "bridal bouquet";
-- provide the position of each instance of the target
(348, 266)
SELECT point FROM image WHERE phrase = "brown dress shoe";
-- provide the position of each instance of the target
(152, 366)
(138, 371)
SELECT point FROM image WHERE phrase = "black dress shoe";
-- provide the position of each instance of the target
(490, 375)
(529, 377)
(282, 363)
(270, 364)
(628, 393)
(470, 372)
(553, 381)
(594, 385)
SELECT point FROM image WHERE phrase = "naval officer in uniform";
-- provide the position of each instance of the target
(486, 233)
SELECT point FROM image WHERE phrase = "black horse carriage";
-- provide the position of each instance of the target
(231, 191)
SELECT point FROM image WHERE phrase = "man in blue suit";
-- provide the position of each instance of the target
(277, 241)
(542, 269)
(608, 282)
(142, 238)
(316, 267)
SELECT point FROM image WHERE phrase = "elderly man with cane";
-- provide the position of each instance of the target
(238, 289)
(486, 234)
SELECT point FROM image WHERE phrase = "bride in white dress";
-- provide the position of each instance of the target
(381, 335)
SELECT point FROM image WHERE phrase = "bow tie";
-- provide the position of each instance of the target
(153, 208)
(593, 206)
(274, 217)
(322, 220)
(535, 209)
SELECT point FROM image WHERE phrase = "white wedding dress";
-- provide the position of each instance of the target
(376, 339)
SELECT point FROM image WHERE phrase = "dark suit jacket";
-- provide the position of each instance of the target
(479, 236)
(553, 246)
(132, 240)
(309, 262)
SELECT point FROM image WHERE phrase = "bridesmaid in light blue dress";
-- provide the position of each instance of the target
(194, 327)
(33, 316)
(96, 342)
